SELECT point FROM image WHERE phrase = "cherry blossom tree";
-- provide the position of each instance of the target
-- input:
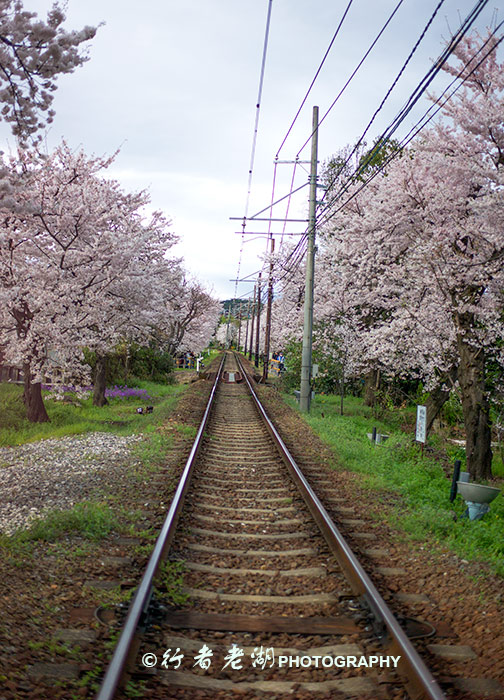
(70, 250)
(33, 53)
(132, 309)
(287, 308)
(421, 249)
(190, 318)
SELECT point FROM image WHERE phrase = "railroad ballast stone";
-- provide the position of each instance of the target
(58, 473)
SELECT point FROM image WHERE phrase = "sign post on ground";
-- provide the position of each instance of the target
(421, 425)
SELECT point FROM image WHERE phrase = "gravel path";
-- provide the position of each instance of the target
(58, 473)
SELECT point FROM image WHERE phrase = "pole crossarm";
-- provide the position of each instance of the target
(289, 194)
(268, 235)
(245, 280)
(241, 218)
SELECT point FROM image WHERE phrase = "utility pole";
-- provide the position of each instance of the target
(227, 327)
(268, 314)
(306, 361)
(256, 359)
(247, 329)
(252, 325)
(239, 327)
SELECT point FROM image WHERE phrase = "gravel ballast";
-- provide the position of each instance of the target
(58, 473)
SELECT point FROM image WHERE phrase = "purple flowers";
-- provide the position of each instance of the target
(117, 392)
(125, 392)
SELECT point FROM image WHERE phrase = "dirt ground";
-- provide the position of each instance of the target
(54, 643)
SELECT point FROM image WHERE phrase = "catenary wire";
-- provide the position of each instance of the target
(422, 122)
(315, 77)
(353, 74)
(388, 93)
(288, 202)
(402, 115)
(346, 84)
(258, 105)
(289, 271)
(412, 100)
(389, 19)
(256, 129)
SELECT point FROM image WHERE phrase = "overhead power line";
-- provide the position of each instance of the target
(258, 105)
(414, 131)
(412, 100)
(315, 77)
(354, 73)
(256, 126)
(340, 93)
(388, 93)
(296, 256)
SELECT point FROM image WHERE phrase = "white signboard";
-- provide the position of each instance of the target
(421, 423)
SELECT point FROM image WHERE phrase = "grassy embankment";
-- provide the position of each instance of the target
(65, 544)
(95, 518)
(424, 511)
(73, 416)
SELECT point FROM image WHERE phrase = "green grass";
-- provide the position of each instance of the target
(211, 357)
(170, 582)
(95, 518)
(88, 519)
(423, 509)
(79, 417)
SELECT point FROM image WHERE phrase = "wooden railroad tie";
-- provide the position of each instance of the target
(255, 623)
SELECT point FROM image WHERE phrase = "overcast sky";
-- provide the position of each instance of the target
(174, 86)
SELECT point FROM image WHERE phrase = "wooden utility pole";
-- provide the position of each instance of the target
(268, 314)
(256, 359)
(252, 324)
(239, 327)
(227, 327)
(247, 329)
(306, 361)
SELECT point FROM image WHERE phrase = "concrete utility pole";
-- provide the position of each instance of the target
(256, 359)
(268, 314)
(252, 324)
(306, 361)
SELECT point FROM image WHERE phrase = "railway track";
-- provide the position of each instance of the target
(273, 599)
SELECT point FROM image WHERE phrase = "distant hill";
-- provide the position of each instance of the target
(234, 305)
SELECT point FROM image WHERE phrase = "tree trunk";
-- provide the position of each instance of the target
(342, 387)
(438, 397)
(126, 364)
(371, 385)
(32, 397)
(100, 376)
(475, 405)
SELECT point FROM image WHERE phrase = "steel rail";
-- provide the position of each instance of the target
(420, 682)
(125, 645)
